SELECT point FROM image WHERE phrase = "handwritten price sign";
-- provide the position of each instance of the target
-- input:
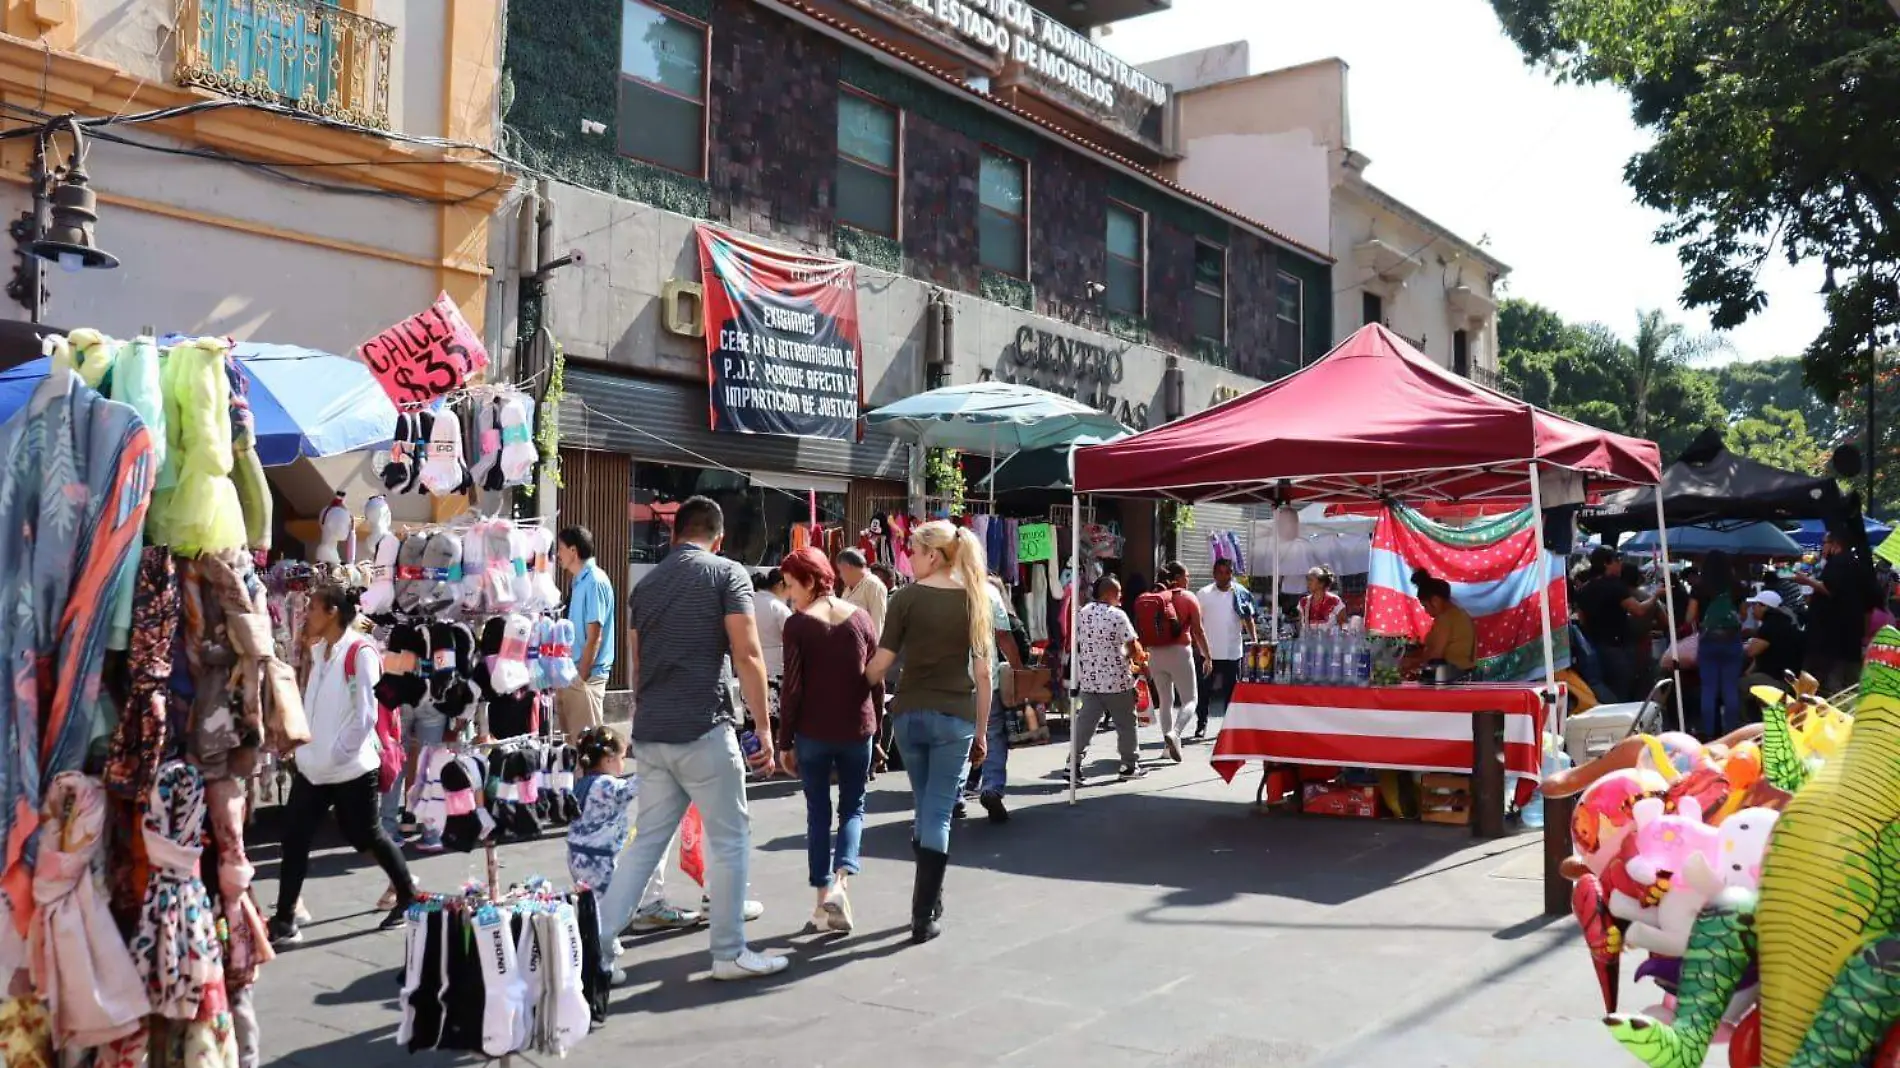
(426, 355)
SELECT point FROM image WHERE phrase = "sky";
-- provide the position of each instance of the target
(1460, 129)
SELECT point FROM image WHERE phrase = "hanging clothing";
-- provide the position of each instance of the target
(176, 945)
(79, 963)
(135, 381)
(1038, 615)
(139, 743)
(75, 482)
(202, 512)
(247, 940)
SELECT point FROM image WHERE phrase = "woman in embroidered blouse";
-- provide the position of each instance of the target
(1321, 606)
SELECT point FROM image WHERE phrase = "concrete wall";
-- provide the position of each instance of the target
(609, 309)
(1193, 70)
(1420, 308)
(1268, 145)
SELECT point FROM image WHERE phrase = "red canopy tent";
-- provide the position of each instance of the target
(1373, 419)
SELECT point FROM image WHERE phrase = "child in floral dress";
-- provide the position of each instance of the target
(605, 794)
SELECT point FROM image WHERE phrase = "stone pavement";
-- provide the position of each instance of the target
(1158, 923)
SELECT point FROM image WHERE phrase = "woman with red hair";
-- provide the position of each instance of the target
(827, 715)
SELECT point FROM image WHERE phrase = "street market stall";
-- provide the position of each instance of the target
(1377, 421)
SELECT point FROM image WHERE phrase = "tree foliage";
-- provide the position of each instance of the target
(1776, 130)
(1586, 372)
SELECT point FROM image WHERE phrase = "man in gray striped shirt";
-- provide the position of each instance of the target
(691, 625)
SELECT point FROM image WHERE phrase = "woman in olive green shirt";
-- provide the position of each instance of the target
(1453, 637)
(941, 625)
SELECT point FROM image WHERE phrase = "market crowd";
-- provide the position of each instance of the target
(1736, 626)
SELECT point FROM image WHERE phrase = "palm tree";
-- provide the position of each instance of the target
(1661, 347)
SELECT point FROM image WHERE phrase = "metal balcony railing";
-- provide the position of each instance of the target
(306, 54)
(1485, 376)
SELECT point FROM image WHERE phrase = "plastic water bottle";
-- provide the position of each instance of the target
(1296, 660)
(1555, 760)
(1362, 655)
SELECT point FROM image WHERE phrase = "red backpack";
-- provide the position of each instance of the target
(1156, 621)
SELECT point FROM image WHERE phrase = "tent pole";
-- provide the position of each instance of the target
(1075, 607)
(1543, 603)
(1669, 602)
(1275, 617)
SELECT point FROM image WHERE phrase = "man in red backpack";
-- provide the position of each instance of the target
(1168, 622)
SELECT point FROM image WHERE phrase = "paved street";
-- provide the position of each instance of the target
(1158, 923)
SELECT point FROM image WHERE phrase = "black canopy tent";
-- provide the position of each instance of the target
(1711, 486)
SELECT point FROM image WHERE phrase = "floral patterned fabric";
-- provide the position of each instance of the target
(247, 940)
(26, 1034)
(176, 945)
(139, 743)
(75, 483)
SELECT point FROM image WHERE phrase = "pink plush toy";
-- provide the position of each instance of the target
(1666, 845)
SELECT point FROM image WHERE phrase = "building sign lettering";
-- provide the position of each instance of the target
(1054, 53)
(1072, 368)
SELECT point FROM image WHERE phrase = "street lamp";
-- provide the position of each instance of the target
(59, 228)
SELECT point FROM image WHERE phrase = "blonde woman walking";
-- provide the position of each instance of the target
(941, 625)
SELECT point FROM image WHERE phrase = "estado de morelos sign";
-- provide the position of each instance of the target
(1051, 51)
(1071, 367)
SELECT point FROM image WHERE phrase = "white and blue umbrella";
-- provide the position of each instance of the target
(1751, 539)
(993, 417)
(306, 403)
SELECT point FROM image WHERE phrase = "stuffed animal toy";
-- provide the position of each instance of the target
(1666, 846)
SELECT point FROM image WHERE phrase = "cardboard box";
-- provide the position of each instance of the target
(1332, 799)
(1445, 799)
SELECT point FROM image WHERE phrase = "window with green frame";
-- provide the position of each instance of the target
(662, 94)
(868, 156)
(1003, 214)
(1127, 286)
(291, 49)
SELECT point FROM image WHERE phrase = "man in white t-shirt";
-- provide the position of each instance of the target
(1227, 618)
(1105, 651)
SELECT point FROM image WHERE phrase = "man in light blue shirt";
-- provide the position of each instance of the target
(590, 607)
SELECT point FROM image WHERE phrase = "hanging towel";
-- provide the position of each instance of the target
(79, 963)
(176, 945)
(202, 511)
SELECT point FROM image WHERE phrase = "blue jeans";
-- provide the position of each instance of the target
(816, 762)
(1719, 664)
(709, 772)
(996, 761)
(936, 750)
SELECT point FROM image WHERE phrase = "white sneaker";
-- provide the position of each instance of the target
(837, 910)
(662, 917)
(616, 977)
(749, 965)
(820, 919)
(753, 909)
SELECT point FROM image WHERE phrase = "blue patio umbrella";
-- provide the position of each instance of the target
(306, 403)
(1752, 539)
(1808, 532)
(993, 417)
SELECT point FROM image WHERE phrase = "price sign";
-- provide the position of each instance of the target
(1035, 543)
(426, 355)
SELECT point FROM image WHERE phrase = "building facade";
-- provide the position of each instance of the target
(993, 174)
(230, 217)
(1393, 264)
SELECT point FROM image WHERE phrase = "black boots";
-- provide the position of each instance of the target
(926, 896)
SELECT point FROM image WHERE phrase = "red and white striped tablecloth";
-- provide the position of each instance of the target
(1407, 728)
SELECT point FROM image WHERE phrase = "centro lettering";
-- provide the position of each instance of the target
(1066, 357)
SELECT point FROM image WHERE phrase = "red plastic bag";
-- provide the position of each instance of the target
(693, 845)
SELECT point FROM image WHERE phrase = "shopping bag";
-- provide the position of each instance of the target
(693, 845)
(1144, 703)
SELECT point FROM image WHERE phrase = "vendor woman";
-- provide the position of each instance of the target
(1452, 638)
(1321, 607)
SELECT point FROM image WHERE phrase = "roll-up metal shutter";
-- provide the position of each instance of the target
(666, 422)
(1192, 541)
(598, 487)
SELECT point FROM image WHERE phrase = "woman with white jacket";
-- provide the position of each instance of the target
(337, 768)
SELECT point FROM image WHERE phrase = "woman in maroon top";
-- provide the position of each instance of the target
(827, 715)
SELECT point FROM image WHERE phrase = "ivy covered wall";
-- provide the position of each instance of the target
(772, 117)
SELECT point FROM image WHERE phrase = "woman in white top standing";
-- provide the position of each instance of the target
(337, 768)
(770, 612)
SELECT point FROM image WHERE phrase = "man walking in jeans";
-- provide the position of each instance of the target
(692, 630)
(1227, 620)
